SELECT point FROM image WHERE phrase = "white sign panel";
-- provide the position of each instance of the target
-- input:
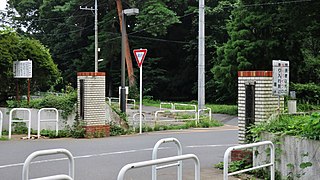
(280, 81)
(22, 69)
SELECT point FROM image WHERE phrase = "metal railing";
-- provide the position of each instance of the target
(175, 111)
(155, 153)
(186, 105)
(118, 100)
(1, 122)
(23, 120)
(228, 151)
(206, 109)
(127, 167)
(165, 103)
(56, 120)
(27, 162)
(134, 118)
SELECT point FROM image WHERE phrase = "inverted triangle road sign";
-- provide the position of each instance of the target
(140, 54)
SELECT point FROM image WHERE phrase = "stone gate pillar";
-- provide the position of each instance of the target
(91, 103)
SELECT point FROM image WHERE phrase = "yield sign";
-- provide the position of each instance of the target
(140, 54)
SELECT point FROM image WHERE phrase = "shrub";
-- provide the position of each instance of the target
(307, 92)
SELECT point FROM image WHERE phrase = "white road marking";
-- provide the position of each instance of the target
(113, 153)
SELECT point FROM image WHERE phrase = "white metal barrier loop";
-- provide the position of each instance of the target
(27, 162)
(271, 164)
(1, 122)
(56, 120)
(25, 120)
(134, 118)
(127, 167)
(206, 109)
(165, 103)
(155, 153)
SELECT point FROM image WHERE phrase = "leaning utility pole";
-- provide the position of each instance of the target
(95, 9)
(201, 57)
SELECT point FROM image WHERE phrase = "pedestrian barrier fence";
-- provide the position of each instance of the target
(186, 105)
(127, 167)
(206, 109)
(56, 120)
(165, 103)
(156, 114)
(134, 118)
(118, 100)
(23, 120)
(27, 162)
(1, 122)
(228, 151)
(154, 156)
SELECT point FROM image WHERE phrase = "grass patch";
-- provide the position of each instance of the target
(3, 138)
(223, 109)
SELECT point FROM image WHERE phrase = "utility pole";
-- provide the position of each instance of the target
(201, 57)
(95, 9)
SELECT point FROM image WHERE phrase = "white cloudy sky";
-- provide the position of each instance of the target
(3, 4)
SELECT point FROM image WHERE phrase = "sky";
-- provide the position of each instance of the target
(3, 4)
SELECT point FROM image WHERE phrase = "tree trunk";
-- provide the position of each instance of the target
(128, 55)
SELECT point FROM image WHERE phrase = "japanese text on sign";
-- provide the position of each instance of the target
(280, 81)
(22, 69)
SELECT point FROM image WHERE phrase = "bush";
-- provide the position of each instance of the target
(303, 126)
(65, 102)
(307, 92)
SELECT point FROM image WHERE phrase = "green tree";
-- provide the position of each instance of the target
(259, 33)
(14, 47)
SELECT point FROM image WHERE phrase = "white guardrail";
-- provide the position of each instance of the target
(127, 167)
(165, 103)
(27, 162)
(56, 120)
(228, 151)
(206, 109)
(155, 153)
(23, 120)
(118, 100)
(1, 122)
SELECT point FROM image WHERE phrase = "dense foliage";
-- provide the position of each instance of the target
(240, 35)
(303, 126)
(307, 92)
(14, 47)
(65, 102)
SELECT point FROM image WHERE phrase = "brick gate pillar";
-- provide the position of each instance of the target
(264, 103)
(91, 103)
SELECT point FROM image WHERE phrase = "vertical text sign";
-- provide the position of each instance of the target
(22, 69)
(140, 54)
(280, 80)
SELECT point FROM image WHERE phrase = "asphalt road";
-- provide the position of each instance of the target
(102, 159)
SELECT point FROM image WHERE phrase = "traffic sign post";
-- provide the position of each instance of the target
(140, 54)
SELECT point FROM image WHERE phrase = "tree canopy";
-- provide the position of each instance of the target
(240, 35)
(14, 47)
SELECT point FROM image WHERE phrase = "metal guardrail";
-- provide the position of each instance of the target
(118, 100)
(175, 111)
(162, 161)
(26, 120)
(134, 118)
(154, 156)
(209, 113)
(1, 122)
(165, 103)
(27, 162)
(56, 120)
(271, 164)
(187, 105)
